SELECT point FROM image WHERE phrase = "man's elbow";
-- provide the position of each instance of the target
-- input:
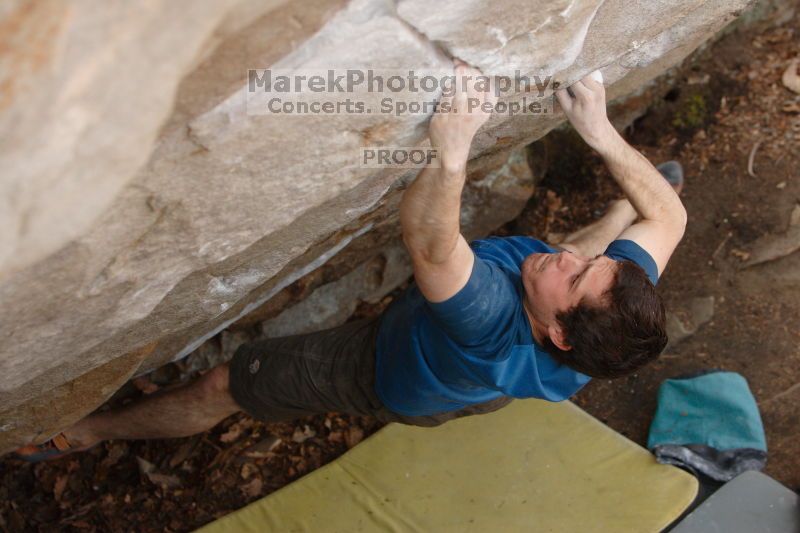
(416, 247)
(426, 250)
(682, 217)
(678, 220)
(413, 246)
(674, 215)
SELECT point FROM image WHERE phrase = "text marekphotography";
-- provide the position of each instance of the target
(388, 92)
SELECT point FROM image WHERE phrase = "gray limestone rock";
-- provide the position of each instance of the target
(698, 312)
(144, 210)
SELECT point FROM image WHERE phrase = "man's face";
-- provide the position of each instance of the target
(556, 282)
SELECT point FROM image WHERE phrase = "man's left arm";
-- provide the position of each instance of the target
(662, 215)
(430, 209)
(593, 239)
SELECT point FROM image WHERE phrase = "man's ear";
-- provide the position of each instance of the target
(558, 337)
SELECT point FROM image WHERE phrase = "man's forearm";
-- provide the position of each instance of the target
(430, 211)
(593, 239)
(663, 215)
(645, 187)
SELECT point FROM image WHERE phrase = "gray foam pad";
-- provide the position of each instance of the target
(751, 502)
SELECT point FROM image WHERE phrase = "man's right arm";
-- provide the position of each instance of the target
(430, 208)
(663, 217)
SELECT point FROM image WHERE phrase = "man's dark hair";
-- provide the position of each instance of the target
(618, 336)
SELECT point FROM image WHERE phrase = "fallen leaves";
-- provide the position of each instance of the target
(253, 488)
(790, 79)
(59, 486)
(751, 159)
(741, 254)
(231, 435)
(791, 107)
(235, 430)
(165, 481)
(301, 435)
(353, 436)
(248, 469)
(263, 448)
(183, 452)
(116, 451)
(144, 384)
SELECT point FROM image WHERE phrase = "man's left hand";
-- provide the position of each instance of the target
(460, 115)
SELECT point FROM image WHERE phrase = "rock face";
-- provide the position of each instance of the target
(144, 210)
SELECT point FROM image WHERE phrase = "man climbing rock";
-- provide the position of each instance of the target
(484, 323)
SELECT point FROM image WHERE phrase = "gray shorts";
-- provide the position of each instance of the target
(331, 370)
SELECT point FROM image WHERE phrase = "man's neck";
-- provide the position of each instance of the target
(538, 330)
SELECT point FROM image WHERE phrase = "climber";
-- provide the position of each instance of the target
(507, 317)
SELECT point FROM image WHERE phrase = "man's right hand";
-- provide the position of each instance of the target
(586, 110)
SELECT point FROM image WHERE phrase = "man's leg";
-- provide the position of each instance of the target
(273, 379)
(179, 412)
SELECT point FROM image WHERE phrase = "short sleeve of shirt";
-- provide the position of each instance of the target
(626, 250)
(477, 312)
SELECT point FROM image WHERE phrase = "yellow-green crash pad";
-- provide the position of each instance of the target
(531, 466)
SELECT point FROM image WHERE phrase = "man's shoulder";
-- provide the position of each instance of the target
(628, 250)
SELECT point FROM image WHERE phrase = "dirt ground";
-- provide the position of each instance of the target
(729, 108)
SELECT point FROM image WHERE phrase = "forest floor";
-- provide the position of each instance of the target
(735, 129)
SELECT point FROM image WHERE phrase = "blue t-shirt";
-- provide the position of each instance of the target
(477, 345)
